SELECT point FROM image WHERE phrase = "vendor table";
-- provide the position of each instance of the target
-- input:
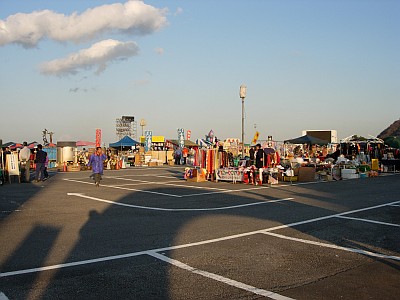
(393, 163)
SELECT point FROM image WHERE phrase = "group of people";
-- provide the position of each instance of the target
(25, 158)
(257, 156)
(41, 159)
(181, 155)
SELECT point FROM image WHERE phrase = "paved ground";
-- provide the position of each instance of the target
(147, 234)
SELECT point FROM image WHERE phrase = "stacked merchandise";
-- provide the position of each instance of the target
(140, 157)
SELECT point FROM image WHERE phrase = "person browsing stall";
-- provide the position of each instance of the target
(24, 158)
(259, 156)
(40, 160)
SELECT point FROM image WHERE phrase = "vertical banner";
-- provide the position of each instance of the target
(181, 137)
(255, 138)
(98, 137)
(148, 136)
(188, 134)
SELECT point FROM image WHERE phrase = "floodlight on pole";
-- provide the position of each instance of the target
(142, 124)
(242, 94)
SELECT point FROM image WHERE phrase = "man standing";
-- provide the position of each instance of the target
(178, 156)
(96, 161)
(40, 160)
(252, 155)
(259, 157)
(24, 158)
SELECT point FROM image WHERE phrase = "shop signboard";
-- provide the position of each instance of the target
(148, 134)
(12, 164)
(98, 137)
(168, 144)
(181, 137)
(229, 174)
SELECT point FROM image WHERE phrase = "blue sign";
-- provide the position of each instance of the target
(148, 136)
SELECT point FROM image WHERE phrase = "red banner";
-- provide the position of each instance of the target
(98, 137)
(188, 134)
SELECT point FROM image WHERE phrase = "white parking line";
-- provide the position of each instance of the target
(395, 205)
(172, 184)
(128, 189)
(369, 221)
(176, 209)
(122, 186)
(194, 244)
(354, 250)
(227, 191)
(219, 278)
(3, 296)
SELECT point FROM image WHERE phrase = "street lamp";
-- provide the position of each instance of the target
(242, 95)
(142, 124)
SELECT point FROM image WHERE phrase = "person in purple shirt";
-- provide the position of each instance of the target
(96, 161)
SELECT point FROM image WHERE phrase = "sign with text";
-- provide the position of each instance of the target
(229, 174)
(148, 137)
(12, 164)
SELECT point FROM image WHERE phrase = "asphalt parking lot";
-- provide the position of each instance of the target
(145, 233)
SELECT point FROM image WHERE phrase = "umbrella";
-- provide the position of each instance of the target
(307, 139)
(32, 145)
(15, 146)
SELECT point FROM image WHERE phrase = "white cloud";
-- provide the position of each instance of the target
(98, 55)
(132, 17)
(159, 51)
(178, 11)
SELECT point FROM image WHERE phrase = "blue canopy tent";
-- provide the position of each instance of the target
(126, 141)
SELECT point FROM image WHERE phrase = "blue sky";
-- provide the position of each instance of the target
(179, 64)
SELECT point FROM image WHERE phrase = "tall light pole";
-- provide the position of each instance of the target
(142, 124)
(242, 95)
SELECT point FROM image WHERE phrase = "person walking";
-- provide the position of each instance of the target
(96, 161)
(40, 160)
(25, 159)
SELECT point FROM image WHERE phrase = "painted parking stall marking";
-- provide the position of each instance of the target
(332, 246)
(194, 244)
(368, 221)
(219, 278)
(177, 209)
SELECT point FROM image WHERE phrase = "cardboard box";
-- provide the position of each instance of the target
(290, 178)
(306, 174)
(197, 176)
(153, 164)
